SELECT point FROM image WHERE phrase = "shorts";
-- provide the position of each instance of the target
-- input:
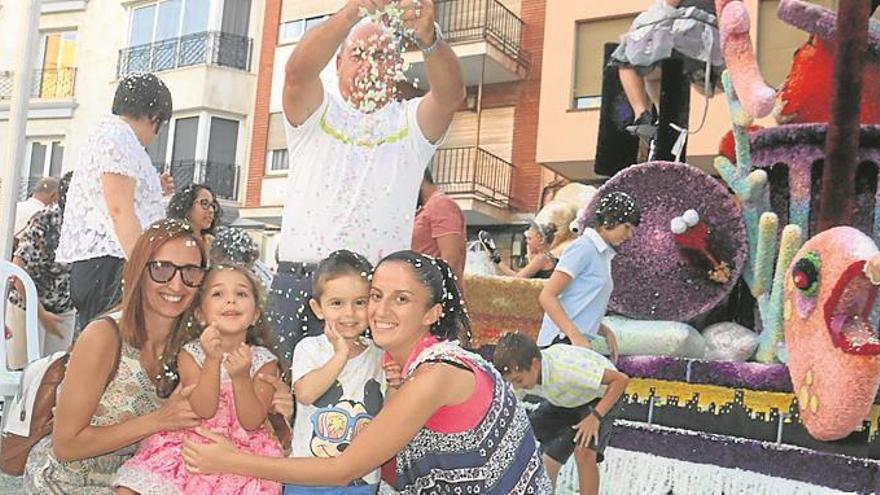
(553, 428)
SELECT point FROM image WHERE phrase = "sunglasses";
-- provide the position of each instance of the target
(337, 425)
(207, 204)
(163, 271)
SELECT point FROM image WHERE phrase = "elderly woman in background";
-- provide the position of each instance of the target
(115, 194)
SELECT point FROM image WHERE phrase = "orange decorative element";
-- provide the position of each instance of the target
(806, 94)
(498, 305)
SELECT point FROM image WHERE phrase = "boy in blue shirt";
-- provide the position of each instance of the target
(576, 296)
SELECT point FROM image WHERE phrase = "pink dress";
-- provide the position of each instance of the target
(158, 467)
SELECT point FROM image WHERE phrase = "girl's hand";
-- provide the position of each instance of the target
(238, 362)
(208, 457)
(282, 399)
(211, 342)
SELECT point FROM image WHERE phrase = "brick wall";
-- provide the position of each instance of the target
(260, 134)
(526, 179)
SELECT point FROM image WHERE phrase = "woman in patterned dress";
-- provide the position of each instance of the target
(102, 413)
(452, 423)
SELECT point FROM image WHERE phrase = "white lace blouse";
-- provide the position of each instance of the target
(87, 231)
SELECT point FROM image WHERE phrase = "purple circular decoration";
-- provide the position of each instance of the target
(653, 278)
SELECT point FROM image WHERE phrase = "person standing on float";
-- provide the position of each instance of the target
(357, 154)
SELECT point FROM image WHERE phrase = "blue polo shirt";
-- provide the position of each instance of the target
(587, 261)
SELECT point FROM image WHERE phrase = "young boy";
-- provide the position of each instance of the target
(576, 296)
(581, 388)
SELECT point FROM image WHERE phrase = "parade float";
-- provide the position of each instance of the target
(743, 312)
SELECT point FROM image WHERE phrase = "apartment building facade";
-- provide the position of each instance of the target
(202, 49)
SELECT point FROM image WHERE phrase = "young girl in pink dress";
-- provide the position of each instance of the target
(221, 369)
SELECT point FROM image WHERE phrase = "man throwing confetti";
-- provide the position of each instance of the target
(357, 152)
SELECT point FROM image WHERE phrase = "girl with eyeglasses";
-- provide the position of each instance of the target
(453, 425)
(107, 405)
(197, 205)
(222, 363)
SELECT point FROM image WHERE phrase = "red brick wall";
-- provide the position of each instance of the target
(526, 179)
(260, 134)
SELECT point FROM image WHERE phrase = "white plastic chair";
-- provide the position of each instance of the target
(9, 379)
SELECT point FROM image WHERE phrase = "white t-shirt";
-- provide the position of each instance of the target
(87, 231)
(345, 408)
(353, 180)
(24, 210)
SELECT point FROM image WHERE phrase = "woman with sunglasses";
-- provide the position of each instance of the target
(120, 368)
(197, 205)
(115, 194)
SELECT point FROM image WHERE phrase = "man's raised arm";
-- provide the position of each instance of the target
(444, 72)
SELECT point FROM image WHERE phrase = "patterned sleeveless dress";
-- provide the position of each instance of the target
(498, 457)
(130, 394)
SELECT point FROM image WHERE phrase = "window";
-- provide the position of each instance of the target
(57, 65)
(591, 38)
(167, 19)
(293, 31)
(777, 41)
(278, 160)
(45, 159)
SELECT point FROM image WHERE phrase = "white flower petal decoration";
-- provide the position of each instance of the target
(677, 225)
(691, 217)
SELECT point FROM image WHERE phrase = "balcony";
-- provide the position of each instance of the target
(47, 84)
(205, 48)
(480, 31)
(222, 178)
(477, 179)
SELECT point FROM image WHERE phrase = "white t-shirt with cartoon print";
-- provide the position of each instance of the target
(326, 427)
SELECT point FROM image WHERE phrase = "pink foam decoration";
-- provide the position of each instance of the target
(843, 384)
(756, 96)
(821, 22)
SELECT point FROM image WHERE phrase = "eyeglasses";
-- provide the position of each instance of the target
(163, 271)
(207, 204)
(336, 425)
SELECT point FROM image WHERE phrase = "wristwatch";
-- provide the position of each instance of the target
(438, 37)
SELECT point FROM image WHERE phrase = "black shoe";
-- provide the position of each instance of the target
(644, 126)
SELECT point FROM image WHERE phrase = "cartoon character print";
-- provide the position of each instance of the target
(337, 422)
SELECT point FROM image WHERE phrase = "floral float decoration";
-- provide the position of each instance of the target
(654, 278)
(690, 233)
(830, 318)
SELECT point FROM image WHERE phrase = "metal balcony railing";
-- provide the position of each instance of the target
(209, 47)
(54, 83)
(473, 171)
(222, 178)
(6, 83)
(46, 83)
(488, 20)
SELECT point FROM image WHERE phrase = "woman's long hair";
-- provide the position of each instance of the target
(132, 324)
(436, 275)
